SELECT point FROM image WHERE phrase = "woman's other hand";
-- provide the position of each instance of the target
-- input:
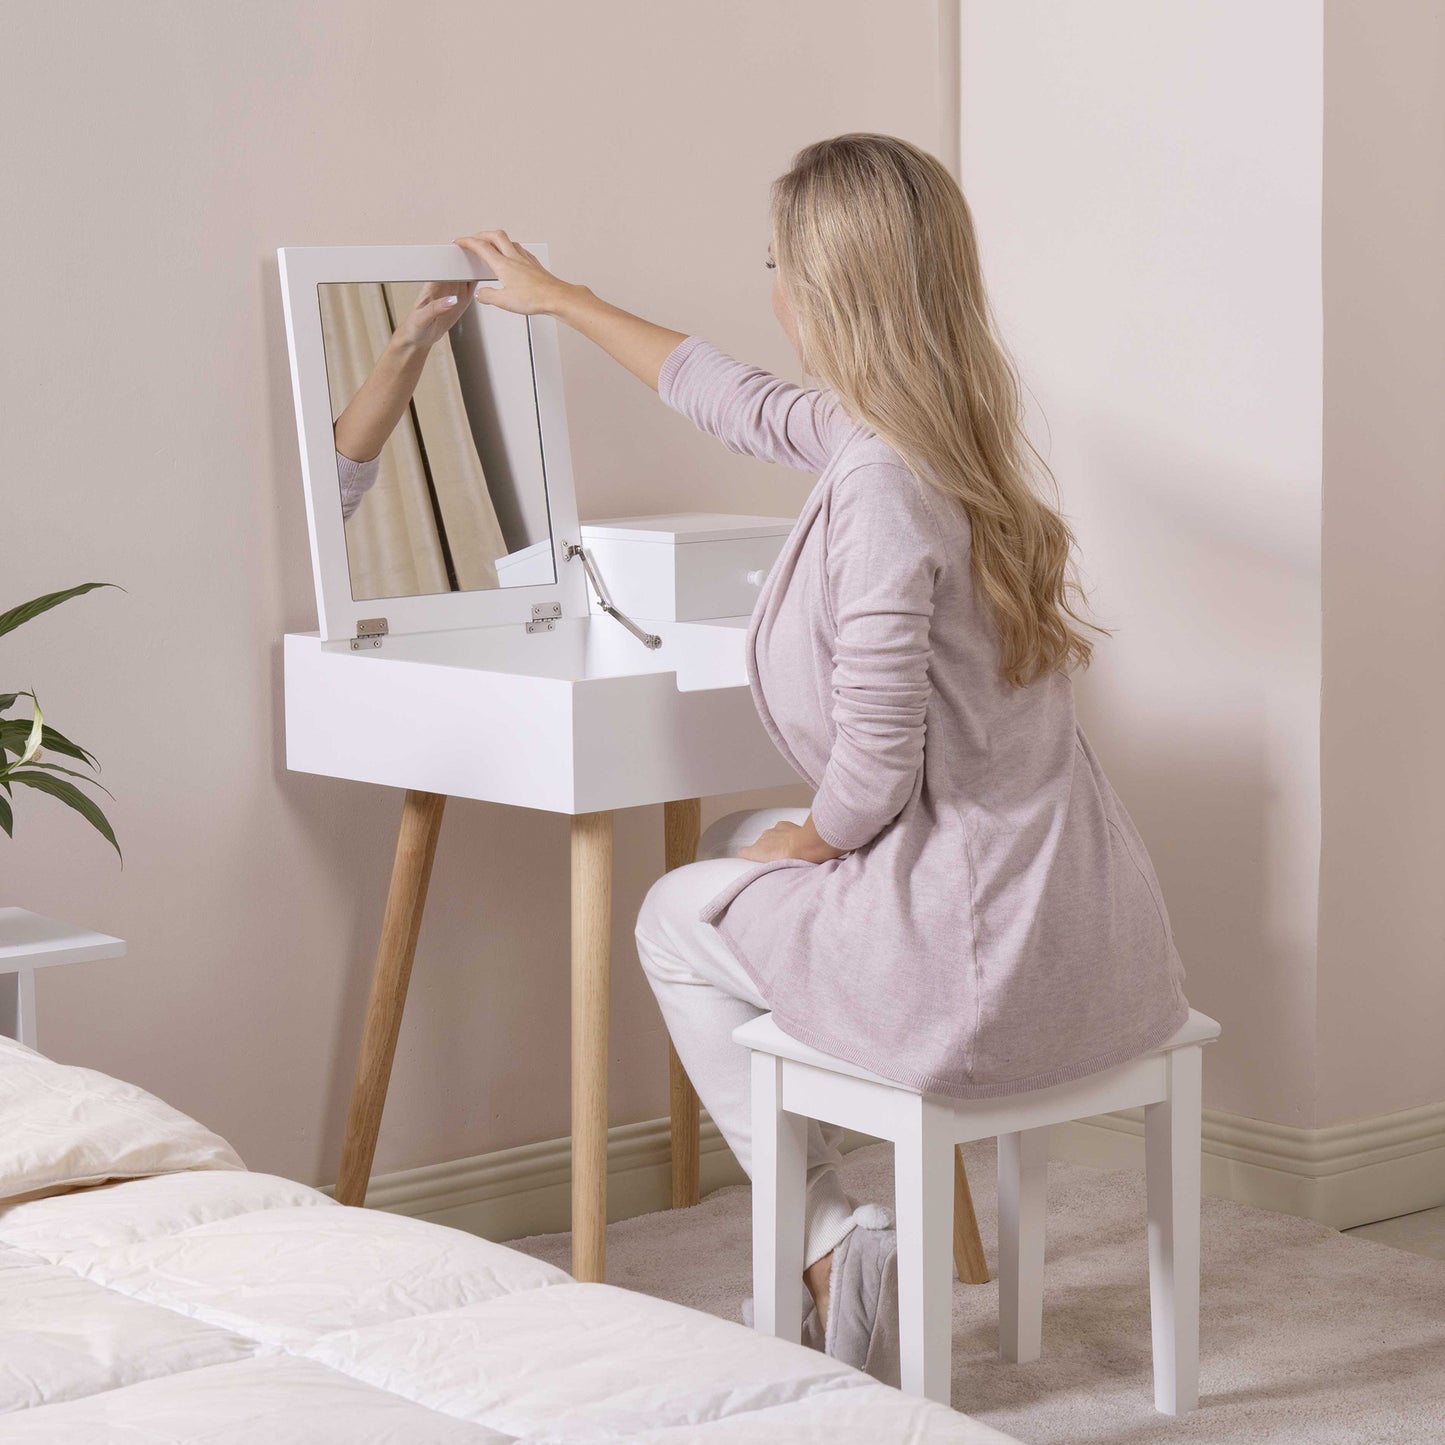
(791, 840)
(527, 287)
(439, 306)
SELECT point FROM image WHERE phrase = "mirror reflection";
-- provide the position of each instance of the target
(438, 445)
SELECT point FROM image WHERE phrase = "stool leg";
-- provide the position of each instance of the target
(923, 1196)
(1172, 1168)
(1023, 1162)
(780, 1168)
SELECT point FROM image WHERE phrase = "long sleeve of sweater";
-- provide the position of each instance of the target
(750, 410)
(883, 560)
(357, 478)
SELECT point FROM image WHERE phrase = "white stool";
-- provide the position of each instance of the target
(792, 1083)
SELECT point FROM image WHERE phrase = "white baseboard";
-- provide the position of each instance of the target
(1343, 1175)
(528, 1190)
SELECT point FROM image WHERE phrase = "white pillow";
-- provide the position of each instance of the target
(62, 1127)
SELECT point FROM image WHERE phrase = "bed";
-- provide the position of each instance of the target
(154, 1289)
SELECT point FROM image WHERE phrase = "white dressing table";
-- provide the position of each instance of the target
(517, 694)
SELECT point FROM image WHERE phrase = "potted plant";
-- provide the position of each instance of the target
(23, 740)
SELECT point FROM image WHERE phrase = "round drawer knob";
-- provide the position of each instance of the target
(756, 579)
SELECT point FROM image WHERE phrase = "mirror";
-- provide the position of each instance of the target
(439, 455)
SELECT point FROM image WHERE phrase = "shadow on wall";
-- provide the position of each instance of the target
(1204, 712)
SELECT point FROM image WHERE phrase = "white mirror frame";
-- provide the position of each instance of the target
(303, 269)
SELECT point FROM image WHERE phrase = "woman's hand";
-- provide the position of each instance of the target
(530, 289)
(527, 287)
(439, 306)
(372, 413)
(791, 840)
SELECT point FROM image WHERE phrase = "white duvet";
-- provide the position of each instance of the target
(193, 1300)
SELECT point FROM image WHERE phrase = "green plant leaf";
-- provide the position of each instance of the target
(70, 772)
(7, 699)
(9, 621)
(7, 819)
(69, 794)
(14, 731)
(56, 742)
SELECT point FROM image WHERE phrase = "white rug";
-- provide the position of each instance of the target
(1307, 1335)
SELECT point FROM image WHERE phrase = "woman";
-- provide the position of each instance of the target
(967, 907)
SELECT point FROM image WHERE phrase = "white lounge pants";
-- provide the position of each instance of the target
(704, 994)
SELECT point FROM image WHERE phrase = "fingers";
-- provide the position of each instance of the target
(503, 242)
(480, 241)
(484, 251)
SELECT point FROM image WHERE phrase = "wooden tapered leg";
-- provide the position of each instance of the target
(416, 842)
(967, 1246)
(682, 824)
(591, 957)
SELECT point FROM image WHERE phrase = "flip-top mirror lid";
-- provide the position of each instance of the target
(305, 269)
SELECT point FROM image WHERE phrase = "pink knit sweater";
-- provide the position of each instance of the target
(996, 924)
(356, 478)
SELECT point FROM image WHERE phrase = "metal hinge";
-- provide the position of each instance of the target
(369, 632)
(544, 616)
(647, 639)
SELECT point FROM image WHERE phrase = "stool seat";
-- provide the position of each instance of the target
(763, 1034)
(793, 1082)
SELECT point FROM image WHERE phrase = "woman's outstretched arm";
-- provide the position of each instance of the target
(529, 289)
(747, 409)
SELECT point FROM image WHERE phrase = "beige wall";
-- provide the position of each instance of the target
(1214, 231)
(1382, 905)
(154, 157)
(1146, 179)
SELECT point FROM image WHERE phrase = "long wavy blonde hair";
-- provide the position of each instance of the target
(875, 248)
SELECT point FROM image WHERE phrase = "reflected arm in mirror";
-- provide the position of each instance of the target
(528, 288)
(371, 415)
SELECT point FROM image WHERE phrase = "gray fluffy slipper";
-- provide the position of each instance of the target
(862, 1327)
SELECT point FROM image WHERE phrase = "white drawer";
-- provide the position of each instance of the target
(685, 566)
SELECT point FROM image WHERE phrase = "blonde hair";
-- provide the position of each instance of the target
(876, 251)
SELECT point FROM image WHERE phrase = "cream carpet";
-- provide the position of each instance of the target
(1307, 1335)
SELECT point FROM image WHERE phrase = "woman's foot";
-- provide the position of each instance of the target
(856, 1319)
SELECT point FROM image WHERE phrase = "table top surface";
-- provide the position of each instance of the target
(30, 940)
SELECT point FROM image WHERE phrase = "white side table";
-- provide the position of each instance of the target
(29, 941)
